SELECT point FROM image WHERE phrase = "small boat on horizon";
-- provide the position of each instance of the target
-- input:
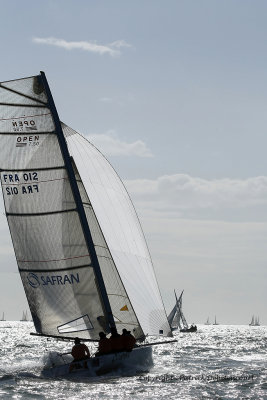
(208, 321)
(177, 319)
(24, 317)
(255, 321)
(215, 321)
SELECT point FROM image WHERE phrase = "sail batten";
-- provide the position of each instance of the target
(54, 270)
(27, 97)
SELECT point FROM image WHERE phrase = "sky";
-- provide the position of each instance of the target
(174, 94)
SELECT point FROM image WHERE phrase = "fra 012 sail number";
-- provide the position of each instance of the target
(17, 188)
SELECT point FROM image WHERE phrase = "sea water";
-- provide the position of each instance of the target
(217, 362)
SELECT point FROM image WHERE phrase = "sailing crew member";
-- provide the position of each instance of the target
(115, 341)
(79, 352)
(128, 340)
(104, 345)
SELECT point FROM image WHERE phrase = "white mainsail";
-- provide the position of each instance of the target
(176, 317)
(82, 254)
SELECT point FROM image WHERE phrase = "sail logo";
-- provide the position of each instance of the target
(25, 125)
(23, 141)
(52, 280)
(33, 280)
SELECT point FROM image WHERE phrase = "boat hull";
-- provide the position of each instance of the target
(139, 359)
(191, 329)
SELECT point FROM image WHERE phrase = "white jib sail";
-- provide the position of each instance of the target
(122, 232)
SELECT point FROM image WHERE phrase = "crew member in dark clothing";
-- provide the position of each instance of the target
(115, 341)
(104, 345)
(128, 340)
(79, 352)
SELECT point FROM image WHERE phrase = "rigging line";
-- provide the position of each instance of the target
(60, 259)
(101, 247)
(24, 116)
(55, 269)
(40, 213)
(22, 94)
(63, 337)
(24, 105)
(119, 322)
(105, 257)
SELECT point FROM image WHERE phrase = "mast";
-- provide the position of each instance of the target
(78, 201)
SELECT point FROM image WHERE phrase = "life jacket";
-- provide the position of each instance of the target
(80, 351)
(128, 342)
(104, 346)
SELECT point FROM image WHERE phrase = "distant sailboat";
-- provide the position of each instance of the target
(177, 319)
(215, 321)
(208, 321)
(3, 317)
(24, 316)
(255, 321)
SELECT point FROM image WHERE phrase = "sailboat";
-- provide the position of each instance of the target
(80, 249)
(174, 318)
(177, 319)
(255, 321)
(208, 321)
(215, 321)
(24, 317)
(3, 317)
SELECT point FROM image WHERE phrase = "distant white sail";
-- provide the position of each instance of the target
(176, 317)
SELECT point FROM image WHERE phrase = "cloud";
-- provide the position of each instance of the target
(113, 49)
(106, 100)
(110, 145)
(120, 43)
(121, 100)
(182, 193)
